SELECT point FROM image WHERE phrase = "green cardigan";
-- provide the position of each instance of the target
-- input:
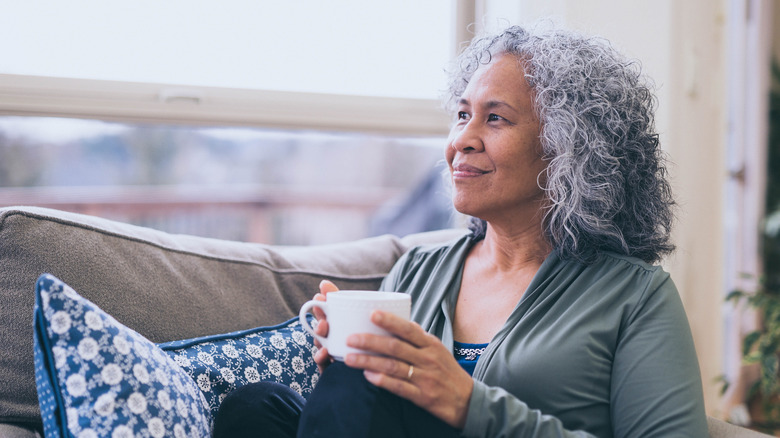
(590, 350)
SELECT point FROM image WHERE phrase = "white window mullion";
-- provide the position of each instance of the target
(110, 100)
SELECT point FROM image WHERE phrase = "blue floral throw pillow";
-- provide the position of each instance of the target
(98, 378)
(222, 363)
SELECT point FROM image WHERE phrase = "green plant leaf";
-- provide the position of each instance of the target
(752, 357)
(754, 389)
(749, 341)
(724, 387)
(724, 383)
(769, 382)
(735, 295)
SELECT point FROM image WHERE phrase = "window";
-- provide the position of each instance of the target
(377, 65)
(348, 47)
(272, 122)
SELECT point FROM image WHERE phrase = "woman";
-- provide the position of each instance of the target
(548, 319)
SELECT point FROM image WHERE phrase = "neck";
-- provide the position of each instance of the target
(510, 250)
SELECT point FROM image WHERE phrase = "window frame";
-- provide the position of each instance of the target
(22, 95)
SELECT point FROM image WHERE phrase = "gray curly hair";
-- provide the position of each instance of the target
(606, 181)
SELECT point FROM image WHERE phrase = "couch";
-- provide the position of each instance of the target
(169, 287)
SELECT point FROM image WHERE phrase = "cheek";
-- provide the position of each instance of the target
(449, 153)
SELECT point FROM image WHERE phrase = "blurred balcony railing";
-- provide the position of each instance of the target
(253, 213)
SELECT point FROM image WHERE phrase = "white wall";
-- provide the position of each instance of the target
(682, 47)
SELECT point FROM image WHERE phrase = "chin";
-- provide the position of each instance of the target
(465, 208)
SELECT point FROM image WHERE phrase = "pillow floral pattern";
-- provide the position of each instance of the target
(219, 364)
(98, 378)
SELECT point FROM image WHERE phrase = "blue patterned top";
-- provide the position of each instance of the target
(467, 355)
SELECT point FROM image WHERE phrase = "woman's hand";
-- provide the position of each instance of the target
(416, 366)
(322, 358)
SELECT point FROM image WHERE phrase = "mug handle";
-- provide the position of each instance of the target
(305, 322)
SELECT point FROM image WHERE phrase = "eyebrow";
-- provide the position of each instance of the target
(489, 104)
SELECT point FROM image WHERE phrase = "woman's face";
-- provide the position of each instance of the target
(493, 150)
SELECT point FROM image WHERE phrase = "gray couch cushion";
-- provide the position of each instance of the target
(721, 429)
(13, 431)
(164, 286)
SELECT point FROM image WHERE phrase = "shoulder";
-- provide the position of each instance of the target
(645, 286)
(428, 260)
(437, 251)
(611, 263)
(627, 282)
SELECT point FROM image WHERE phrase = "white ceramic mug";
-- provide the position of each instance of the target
(349, 311)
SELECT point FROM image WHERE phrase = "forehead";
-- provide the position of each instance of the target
(503, 78)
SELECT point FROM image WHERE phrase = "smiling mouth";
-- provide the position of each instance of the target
(466, 171)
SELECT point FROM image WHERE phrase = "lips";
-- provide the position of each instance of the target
(462, 170)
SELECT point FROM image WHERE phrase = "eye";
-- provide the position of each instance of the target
(463, 115)
(494, 118)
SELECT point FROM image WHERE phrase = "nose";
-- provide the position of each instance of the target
(466, 137)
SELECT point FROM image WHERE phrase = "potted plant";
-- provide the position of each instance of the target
(762, 346)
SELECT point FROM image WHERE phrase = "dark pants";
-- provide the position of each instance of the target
(344, 404)
(265, 409)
